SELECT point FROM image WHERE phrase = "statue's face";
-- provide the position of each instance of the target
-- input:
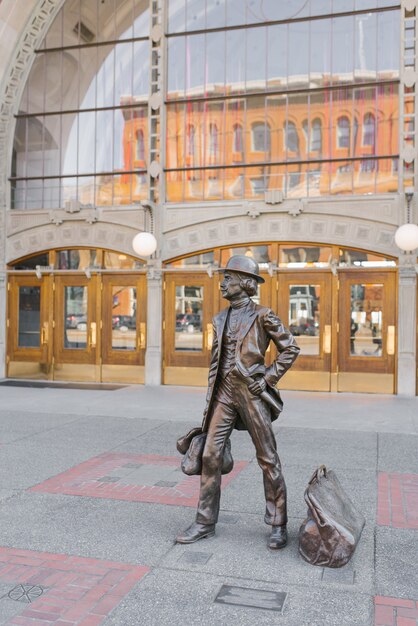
(231, 286)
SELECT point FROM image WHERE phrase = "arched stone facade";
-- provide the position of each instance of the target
(367, 222)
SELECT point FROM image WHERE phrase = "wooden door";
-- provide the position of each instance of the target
(123, 328)
(367, 331)
(29, 323)
(188, 312)
(304, 304)
(76, 332)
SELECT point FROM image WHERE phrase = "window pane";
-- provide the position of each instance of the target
(32, 262)
(195, 64)
(366, 320)
(304, 317)
(195, 14)
(176, 75)
(277, 56)
(75, 318)
(86, 140)
(124, 318)
(298, 54)
(104, 141)
(388, 44)
(365, 47)
(235, 12)
(320, 52)
(195, 261)
(176, 16)
(189, 315)
(113, 260)
(304, 256)
(215, 63)
(342, 49)
(215, 13)
(235, 61)
(261, 254)
(256, 59)
(29, 323)
(76, 259)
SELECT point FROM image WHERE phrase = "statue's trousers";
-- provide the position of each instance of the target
(233, 399)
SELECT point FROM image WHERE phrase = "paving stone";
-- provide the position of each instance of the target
(195, 558)
(342, 576)
(389, 458)
(241, 550)
(175, 597)
(396, 562)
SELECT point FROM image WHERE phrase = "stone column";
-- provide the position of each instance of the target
(153, 355)
(407, 339)
(3, 278)
(3, 297)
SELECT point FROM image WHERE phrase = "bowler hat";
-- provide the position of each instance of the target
(244, 265)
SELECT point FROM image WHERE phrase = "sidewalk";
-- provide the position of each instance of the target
(91, 499)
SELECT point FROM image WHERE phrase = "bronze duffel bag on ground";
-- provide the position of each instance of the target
(332, 530)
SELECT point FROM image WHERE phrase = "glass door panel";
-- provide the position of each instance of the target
(305, 307)
(367, 331)
(124, 314)
(76, 336)
(188, 312)
(124, 327)
(29, 320)
(366, 320)
(305, 317)
(188, 334)
(75, 312)
(28, 327)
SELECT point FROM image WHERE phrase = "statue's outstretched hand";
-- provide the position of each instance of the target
(257, 386)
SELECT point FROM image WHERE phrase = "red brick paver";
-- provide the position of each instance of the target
(395, 612)
(84, 480)
(79, 591)
(397, 501)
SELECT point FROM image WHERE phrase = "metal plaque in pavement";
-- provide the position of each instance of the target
(256, 598)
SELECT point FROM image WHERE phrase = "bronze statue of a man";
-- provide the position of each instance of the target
(242, 394)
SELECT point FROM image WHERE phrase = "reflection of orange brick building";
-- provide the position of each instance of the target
(323, 143)
(316, 137)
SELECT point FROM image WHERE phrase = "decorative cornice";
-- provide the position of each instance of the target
(280, 226)
(112, 236)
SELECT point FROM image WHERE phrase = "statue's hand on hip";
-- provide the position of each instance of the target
(257, 386)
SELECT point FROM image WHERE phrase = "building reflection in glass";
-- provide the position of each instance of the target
(305, 106)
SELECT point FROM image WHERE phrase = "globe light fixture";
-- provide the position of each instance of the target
(144, 244)
(406, 237)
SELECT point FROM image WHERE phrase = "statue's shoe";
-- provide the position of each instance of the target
(195, 532)
(278, 537)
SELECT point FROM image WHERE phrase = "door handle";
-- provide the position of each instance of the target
(93, 335)
(390, 340)
(44, 334)
(209, 337)
(326, 344)
(142, 336)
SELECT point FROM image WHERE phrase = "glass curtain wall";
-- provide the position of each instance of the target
(300, 96)
(82, 125)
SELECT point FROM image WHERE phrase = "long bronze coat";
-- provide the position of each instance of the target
(260, 327)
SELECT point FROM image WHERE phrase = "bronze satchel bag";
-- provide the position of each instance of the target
(332, 530)
(192, 446)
